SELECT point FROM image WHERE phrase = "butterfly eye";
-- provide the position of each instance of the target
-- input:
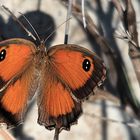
(86, 65)
(2, 54)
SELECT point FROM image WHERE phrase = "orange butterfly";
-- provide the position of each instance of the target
(63, 76)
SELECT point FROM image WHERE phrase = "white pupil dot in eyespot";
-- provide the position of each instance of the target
(86, 65)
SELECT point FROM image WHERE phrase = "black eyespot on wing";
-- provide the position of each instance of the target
(86, 65)
(97, 77)
(2, 54)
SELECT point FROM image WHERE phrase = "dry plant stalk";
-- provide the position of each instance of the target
(134, 51)
(5, 135)
(128, 17)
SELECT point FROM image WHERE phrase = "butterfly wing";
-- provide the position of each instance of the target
(16, 76)
(81, 69)
(56, 107)
(71, 73)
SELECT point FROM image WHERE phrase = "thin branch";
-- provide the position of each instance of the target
(104, 95)
(6, 135)
(131, 124)
(118, 7)
(56, 135)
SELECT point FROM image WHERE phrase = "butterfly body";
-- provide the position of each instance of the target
(62, 76)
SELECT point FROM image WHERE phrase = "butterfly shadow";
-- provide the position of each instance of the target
(2, 24)
(43, 23)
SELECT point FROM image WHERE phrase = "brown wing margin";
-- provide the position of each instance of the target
(56, 107)
(97, 77)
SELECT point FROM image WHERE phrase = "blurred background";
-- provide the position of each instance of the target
(102, 119)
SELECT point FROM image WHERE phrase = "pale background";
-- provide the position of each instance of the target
(88, 127)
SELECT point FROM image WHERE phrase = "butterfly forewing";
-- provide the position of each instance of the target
(79, 68)
(15, 55)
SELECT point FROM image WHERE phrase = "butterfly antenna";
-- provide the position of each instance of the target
(56, 29)
(83, 13)
(36, 33)
(17, 20)
(69, 11)
(56, 135)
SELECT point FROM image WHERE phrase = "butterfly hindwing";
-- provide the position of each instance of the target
(78, 67)
(16, 76)
(57, 109)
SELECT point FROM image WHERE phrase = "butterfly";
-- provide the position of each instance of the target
(62, 77)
